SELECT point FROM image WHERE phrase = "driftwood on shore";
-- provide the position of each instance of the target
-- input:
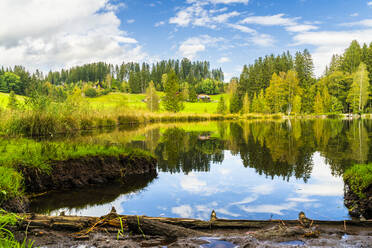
(169, 227)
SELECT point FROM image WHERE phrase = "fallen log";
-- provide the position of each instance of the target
(160, 226)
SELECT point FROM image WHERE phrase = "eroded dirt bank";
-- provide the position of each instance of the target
(81, 172)
(113, 230)
(359, 207)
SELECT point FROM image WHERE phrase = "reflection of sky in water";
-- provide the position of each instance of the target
(234, 191)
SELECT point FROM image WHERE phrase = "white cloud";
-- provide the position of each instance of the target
(328, 43)
(263, 40)
(224, 60)
(290, 24)
(131, 21)
(54, 34)
(219, 1)
(274, 20)
(301, 28)
(190, 47)
(369, 3)
(158, 24)
(242, 28)
(197, 15)
(365, 23)
(354, 14)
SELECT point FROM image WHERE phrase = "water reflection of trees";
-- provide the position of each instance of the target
(282, 148)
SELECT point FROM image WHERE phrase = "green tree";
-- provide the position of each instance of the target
(326, 100)
(352, 57)
(172, 100)
(336, 105)
(246, 104)
(12, 101)
(318, 104)
(13, 82)
(275, 93)
(262, 104)
(358, 94)
(152, 98)
(235, 103)
(255, 104)
(292, 88)
(221, 107)
(296, 105)
(193, 97)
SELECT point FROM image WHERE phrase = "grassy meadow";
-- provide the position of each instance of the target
(136, 102)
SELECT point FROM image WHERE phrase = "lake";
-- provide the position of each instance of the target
(242, 170)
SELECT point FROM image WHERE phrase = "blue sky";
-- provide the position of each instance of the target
(48, 34)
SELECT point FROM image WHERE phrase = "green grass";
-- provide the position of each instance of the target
(4, 99)
(135, 102)
(7, 238)
(359, 178)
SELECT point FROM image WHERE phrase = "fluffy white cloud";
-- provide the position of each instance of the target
(224, 60)
(369, 3)
(198, 15)
(328, 43)
(52, 34)
(190, 47)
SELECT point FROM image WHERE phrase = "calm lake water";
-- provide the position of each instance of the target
(242, 170)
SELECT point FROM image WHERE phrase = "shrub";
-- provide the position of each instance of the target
(91, 93)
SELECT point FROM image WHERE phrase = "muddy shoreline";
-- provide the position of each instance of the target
(113, 230)
(79, 173)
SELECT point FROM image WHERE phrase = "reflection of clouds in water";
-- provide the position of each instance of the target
(268, 208)
(184, 211)
(325, 184)
(193, 184)
(226, 212)
(263, 189)
(300, 199)
(244, 201)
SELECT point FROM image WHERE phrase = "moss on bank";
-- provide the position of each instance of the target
(359, 178)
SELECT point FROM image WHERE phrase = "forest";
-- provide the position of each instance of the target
(273, 84)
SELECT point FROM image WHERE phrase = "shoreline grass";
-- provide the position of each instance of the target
(359, 178)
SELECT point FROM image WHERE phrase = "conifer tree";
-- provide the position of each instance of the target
(172, 100)
(235, 103)
(193, 97)
(221, 107)
(255, 104)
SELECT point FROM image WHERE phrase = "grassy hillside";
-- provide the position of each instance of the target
(4, 99)
(135, 101)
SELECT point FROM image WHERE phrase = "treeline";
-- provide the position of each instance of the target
(287, 84)
(137, 76)
(127, 77)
